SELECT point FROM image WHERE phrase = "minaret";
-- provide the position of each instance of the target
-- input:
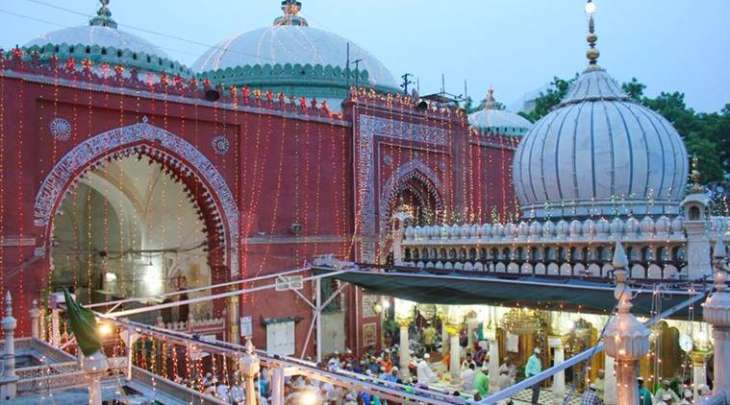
(592, 54)
(103, 16)
(291, 9)
(490, 103)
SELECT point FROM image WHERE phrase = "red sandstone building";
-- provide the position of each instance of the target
(121, 178)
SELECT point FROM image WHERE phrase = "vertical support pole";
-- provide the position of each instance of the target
(35, 317)
(95, 367)
(318, 316)
(277, 386)
(55, 327)
(9, 380)
(455, 357)
(716, 312)
(493, 363)
(627, 372)
(559, 356)
(250, 366)
(404, 352)
(232, 312)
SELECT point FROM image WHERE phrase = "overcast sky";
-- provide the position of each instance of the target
(515, 45)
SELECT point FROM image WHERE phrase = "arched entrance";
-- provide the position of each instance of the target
(137, 211)
(413, 188)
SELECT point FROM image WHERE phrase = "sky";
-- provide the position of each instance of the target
(516, 46)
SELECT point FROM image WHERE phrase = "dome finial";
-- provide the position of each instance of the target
(291, 9)
(490, 103)
(103, 16)
(592, 54)
(696, 177)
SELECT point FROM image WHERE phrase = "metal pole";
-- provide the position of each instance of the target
(318, 316)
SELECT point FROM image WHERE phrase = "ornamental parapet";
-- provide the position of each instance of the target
(656, 247)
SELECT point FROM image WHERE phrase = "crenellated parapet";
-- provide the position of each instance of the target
(656, 247)
(492, 138)
(406, 105)
(86, 73)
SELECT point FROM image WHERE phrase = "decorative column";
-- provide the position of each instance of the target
(35, 317)
(556, 343)
(9, 380)
(627, 340)
(699, 370)
(716, 312)
(277, 386)
(609, 381)
(130, 337)
(454, 322)
(95, 367)
(400, 220)
(249, 366)
(404, 313)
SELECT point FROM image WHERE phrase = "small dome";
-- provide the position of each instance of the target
(101, 42)
(493, 120)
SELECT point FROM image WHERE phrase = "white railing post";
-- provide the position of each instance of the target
(716, 312)
(9, 380)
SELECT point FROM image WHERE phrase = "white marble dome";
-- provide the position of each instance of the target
(292, 44)
(102, 36)
(600, 153)
(493, 120)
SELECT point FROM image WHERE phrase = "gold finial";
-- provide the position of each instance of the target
(592, 54)
(696, 176)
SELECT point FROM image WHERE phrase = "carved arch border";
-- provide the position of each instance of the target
(414, 169)
(60, 179)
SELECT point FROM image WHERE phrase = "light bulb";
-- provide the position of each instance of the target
(590, 7)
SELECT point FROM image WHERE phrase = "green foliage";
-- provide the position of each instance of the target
(549, 98)
(706, 135)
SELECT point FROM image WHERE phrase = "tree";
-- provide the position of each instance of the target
(634, 89)
(549, 98)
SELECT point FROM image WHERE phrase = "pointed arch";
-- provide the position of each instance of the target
(185, 160)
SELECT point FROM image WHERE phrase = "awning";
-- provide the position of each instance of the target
(514, 291)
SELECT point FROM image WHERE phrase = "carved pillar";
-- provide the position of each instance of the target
(35, 317)
(55, 327)
(455, 357)
(609, 382)
(627, 340)
(716, 312)
(559, 356)
(9, 380)
(493, 362)
(250, 366)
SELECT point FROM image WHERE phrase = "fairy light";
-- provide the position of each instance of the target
(19, 149)
(2, 172)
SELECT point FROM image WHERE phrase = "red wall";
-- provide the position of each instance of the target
(286, 165)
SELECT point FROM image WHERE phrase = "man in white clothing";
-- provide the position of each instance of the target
(467, 376)
(423, 371)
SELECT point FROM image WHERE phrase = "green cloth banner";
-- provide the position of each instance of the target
(83, 325)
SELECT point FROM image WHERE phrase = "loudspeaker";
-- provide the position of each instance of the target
(212, 95)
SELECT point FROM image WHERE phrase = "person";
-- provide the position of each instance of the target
(424, 373)
(600, 384)
(666, 389)
(533, 368)
(481, 353)
(688, 398)
(590, 397)
(429, 338)
(467, 360)
(665, 399)
(504, 380)
(644, 394)
(350, 399)
(237, 394)
(481, 382)
(467, 376)
(509, 367)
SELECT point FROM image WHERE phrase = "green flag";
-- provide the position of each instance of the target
(83, 325)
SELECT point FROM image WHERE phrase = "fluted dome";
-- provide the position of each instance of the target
(493, 120)
(600, 153)
(91, 35)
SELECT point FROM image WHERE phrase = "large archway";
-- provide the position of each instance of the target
(137, 211)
